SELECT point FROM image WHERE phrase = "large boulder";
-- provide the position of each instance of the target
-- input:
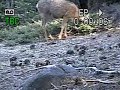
(55, 74)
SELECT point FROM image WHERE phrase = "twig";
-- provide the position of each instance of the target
(102, 81)
(97, 70)
(55, 87)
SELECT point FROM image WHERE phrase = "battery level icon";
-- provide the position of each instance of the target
(9, 12)
(12, 20)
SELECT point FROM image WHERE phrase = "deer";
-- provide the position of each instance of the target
(56, 9)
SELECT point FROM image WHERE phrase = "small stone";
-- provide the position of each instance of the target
(103, 66)
(92, 65)
(93, 38)
(109, 47)
(83, 47)
(111, 76)
(27, 61)
(102, 57)
(20, 61)
(100, 49)
(118, 45)
(31, 55)
(78, 81)
(76, 47)
(20, 64)
(13, 63)
(70, 52)
(37, 64)
(22, 50)
(98, 72)
(47, 62)
(51, 43)
(108, 35)
(13, 59)
(69, 62)
(32, 46)
(64, 87)
(82, 52)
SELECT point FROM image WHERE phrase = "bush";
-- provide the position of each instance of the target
(23, 34)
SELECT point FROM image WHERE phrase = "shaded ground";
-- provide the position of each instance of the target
(102, 51)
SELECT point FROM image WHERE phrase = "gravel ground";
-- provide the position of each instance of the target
(99, 50)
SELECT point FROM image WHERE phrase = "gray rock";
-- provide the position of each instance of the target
(108, 35)
(103, 66)
(82, 52)
(118, 45)
(13, 63)
(13, 59)
(102, 57)
(55, 74)
(32, 46)
(70, 52)
(27, 61)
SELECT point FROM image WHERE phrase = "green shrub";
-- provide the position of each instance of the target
(23, 34)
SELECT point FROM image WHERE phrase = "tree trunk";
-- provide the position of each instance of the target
(9, 3)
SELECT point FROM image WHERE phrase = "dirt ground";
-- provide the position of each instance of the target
(103, 52)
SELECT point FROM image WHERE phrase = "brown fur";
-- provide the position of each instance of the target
(55, 9)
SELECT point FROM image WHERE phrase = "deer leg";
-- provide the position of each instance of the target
(51, 37)
(45, 29)
(64, 24)
(65, 32)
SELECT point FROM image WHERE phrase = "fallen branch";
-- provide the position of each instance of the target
(102, 81)
(100, 71)
(55, 87)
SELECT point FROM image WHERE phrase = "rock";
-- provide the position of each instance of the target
(55, 74)
(64, 87)
(27, 61)
(92, 65)
(78, 81)
(102, 57)
(108, 35)
(69, 62)
(31, 55)
(70, 52)
(32, 46)
(47, 62)
(118, 45)
(110, 47)
(51, 43)
(22, 50)
(103, 66)
(82, 52)
(83, 47)
(39, 64)
(20, 64)
(100, 49)
(13, 59)
(76, 47)
(111, 76)
(93, 38)
(13, 63)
